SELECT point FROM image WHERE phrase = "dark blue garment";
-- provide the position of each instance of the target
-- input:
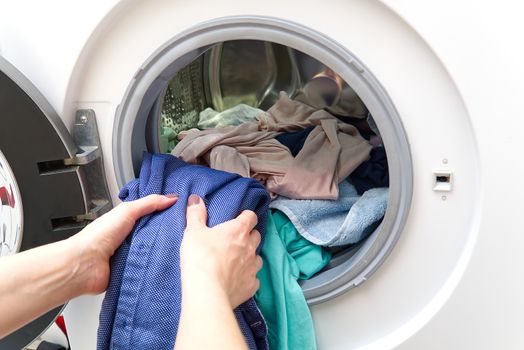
(294, 140)
(141, 309)
(372, 173)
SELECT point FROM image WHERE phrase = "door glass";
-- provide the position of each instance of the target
(11, 214)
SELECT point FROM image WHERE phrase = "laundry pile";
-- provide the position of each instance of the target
(327, 187)
(331, 150)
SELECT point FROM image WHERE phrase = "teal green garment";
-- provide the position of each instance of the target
(287, 257)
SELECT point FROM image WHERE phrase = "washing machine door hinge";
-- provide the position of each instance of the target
(86, 164)
(90, 162)
(89, 154)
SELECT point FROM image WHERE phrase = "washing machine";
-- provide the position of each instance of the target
(85, 88)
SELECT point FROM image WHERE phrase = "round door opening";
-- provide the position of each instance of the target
(11, 212)
(294, 110)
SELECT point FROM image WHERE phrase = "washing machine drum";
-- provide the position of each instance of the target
(240, 78)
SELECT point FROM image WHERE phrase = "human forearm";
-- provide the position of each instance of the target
(207, 320)
(38, 280)
(218, 272)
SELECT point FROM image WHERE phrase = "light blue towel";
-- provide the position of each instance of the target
(347, 220)
(242, 113)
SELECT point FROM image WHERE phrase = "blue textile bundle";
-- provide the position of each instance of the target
(372, 173)
(141, 309)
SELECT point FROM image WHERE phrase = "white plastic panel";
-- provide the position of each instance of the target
(44, 40)
(431, 109)
(480, 303)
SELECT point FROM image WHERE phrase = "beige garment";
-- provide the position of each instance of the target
(348, 103)
(195, 143)
(331, 151)
(329, 155)
(267, 160)
(237, 149)
(287, 115)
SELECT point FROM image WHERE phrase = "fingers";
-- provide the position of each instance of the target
(254, 238)
(254, 287)
(257, 284)
(143, 206)
(254, 265)
(258, 263)
(196, 214)
(247, 219)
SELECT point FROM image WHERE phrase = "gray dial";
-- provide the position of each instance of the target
(11, 213)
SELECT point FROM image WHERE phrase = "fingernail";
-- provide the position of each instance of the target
(172, 195)
(193, 200)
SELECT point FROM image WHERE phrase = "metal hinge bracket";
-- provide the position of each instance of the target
(90, 162)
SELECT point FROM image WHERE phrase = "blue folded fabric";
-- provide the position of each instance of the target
(141, 308)
(347, 220)
(295, 140)
(372, 173)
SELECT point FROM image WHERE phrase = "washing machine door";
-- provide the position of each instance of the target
(44, 194)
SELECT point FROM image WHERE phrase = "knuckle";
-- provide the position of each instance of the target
(256, 238)
(150, 197)
(253, 250)
(127, 211)
(130, 207)
(252, 216)
(239, 226)
(259, 262)
(124, 206)
(256, 285)
(243, 225)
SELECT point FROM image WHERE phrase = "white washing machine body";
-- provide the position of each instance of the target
(451, 70)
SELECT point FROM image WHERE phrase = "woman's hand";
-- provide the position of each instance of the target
(40, 279)
(98, 241)
(218, 267)
(223, 257)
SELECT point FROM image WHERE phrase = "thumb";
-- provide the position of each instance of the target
(146, 205)
(196, 214)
